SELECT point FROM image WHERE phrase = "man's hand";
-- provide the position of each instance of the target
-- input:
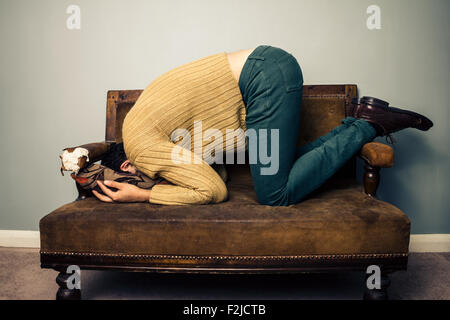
(125, 193)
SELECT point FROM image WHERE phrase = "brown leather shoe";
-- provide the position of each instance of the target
(387, 119)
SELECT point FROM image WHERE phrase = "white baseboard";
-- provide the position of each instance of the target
(19, 239)
(429, 243)
(418, 243)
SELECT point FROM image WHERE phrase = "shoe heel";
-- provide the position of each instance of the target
(374, 102)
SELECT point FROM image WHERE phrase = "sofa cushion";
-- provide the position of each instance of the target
(337, 219)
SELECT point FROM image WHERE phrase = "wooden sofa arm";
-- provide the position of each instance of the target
(376, 156)
(96, 151)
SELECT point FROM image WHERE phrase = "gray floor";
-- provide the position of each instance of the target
(428, 277)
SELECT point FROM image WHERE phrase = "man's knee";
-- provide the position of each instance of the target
(276, 199)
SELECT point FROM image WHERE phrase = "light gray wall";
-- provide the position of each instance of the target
(54, 80)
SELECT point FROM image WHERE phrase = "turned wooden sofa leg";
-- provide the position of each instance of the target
(378, 294)
(371, 179)
(64, 293)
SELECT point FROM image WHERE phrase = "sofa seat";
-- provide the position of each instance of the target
(336, 221)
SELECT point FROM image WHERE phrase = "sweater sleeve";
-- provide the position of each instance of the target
(195, 181)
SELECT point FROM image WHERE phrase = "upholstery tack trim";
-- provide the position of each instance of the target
(227, 257)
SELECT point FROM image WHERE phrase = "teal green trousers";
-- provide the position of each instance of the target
(271, 83)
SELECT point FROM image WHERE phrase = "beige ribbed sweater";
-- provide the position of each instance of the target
(203, 90)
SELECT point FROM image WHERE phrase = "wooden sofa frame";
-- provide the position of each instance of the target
(374, 160)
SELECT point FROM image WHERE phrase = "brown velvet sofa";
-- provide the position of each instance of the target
(340, 227)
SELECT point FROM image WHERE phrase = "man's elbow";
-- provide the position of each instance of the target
(222, 194)
(215, 195)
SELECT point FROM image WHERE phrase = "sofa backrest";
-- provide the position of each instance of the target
(323, 108)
